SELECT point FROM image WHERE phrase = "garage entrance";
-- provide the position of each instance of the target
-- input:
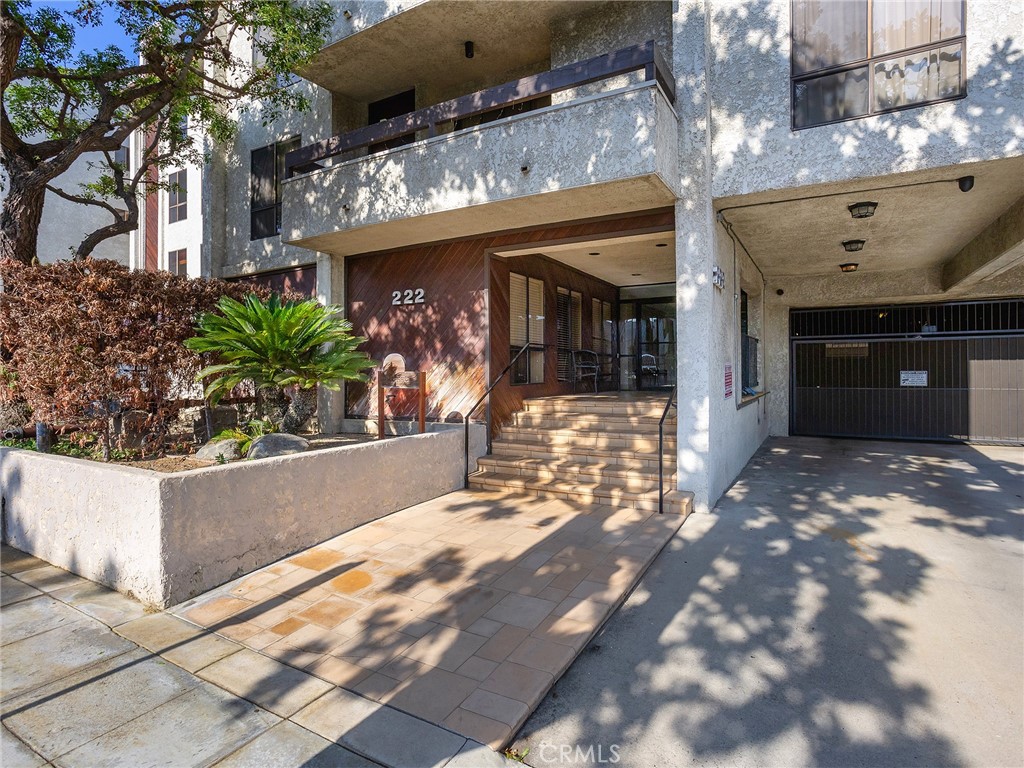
(951, 372)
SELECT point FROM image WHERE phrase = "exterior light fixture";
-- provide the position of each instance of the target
(636, 274)
(661, 245)
(849, 266)
(595, 253)
(966, 183)
(469, 49)
(852, 246)
(347, 14)
(862, 210)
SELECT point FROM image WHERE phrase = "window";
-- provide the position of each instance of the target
(177, 196)
(748, 349)
(266, 175)
(526, 326)
(570, 329)
(603, 333)
(177, 262)
(853, 58)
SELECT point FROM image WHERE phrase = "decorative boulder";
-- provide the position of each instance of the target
(214, 449)
(276, 444)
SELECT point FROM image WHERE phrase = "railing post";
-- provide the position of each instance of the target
(423, 401)
(380, 409)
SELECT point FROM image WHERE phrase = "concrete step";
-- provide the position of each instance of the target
(628, 476)
(581, 454)
(587, 438)
(675, 501)
(650, 409)
(615, 422)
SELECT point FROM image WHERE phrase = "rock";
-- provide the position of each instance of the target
(14, 414)
(277, 444)
(214, 449)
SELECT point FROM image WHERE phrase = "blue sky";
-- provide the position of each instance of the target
(91, 38)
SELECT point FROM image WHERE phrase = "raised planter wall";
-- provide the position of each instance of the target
(167, 537)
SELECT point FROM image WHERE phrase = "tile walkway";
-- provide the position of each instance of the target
(462, 611)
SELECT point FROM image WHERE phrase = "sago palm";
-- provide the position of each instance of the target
(279, 344)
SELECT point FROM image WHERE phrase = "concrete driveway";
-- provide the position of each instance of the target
(847, 603)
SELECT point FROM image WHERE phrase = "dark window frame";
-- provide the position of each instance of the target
(869, 62)
(177, 262)
(262, 210)
(177, 196)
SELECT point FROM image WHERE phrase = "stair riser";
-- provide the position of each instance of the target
(645, 410)
(635, 483)
(614, 423)
(610, 440)
(671, 505)
(647, 460)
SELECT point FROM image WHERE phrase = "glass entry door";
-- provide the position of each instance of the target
(647, 344)
(656, 345)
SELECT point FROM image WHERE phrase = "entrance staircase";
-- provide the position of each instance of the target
(590, 449)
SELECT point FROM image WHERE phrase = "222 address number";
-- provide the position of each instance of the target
(408, 296)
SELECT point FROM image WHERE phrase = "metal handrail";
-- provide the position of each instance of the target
(483, 397)
(661, 451)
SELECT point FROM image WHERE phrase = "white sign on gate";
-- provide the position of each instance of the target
(913, 378)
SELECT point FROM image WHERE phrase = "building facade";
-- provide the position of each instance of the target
(807, 217)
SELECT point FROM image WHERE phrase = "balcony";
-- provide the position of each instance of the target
(595, 155)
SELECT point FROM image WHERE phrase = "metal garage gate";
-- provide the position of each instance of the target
(951, 372)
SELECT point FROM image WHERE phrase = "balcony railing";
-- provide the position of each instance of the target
(645, 57)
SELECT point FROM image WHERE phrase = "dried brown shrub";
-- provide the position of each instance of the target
(86, 339)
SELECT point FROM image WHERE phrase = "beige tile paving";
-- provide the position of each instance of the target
(462, 611)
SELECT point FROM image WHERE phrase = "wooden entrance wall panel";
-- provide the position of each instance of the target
(298, 280)
(447, 335)
(151, 234)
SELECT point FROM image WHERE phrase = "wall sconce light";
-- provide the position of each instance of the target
(344, 206)
(966, 183)
(524, 169)
(469, 49)
(849, 266)
(852, 246)
(862, 210)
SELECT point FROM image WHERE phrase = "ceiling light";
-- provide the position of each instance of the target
(661, 245)
(853, 245)
(862, 210)
(595, 253)
(849, 267)
(469, 49)
(966, 183)
(635, 274)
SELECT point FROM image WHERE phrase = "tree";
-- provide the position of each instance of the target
(278, 344)
(198, 61)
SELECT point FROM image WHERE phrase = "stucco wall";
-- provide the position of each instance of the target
(167, 537)
(755, 148)
(99, 521)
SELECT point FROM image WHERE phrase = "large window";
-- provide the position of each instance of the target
(267, 173)
(177, 196)
(526, 326)
(853, 58)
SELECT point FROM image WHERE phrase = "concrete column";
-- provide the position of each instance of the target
(695, 224)
(330, 289)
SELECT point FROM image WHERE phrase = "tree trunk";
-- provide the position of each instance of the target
(300, 410)
(19, 220)
(271, 404)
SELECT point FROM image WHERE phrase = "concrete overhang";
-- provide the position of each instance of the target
(602, 155)
(922, 222)
(996, 249)
(370, 55)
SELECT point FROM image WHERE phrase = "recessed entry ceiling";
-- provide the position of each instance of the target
(914, 227)
(426, 44)
(630, 260)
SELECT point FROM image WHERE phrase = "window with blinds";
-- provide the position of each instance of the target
(526, 326)
(570, 330)
(853, 58)
(603, 333)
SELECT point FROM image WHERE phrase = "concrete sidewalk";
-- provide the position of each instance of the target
(88, 679)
